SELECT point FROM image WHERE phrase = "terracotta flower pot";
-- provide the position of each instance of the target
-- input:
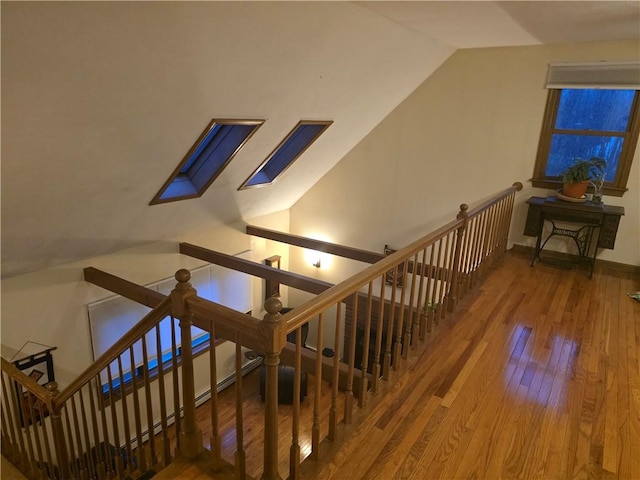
(575, 190)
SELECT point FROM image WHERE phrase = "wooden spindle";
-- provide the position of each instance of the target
(87, 439)
(119, 464)
(444, 269)
(419, 306)
(93, 408)
(333, 415)
(362, 398)
(37, 432)
(397, 346)
(375, 376)
(240, 455)
(177, 419)
(140, 447)
(405, 326)
(437, 285)
(390, 336)
(215, 440)
(412, 321)
(125, 413)
(165, 449)
(466, 256)
(294, 453)
(10, 417)
(349, 396)
(428, 298)
(149, 406)
(71, 453)
(47, 449)
(31, 418)
(315, 427)
(21, 456)
(477, 248)
(60, 446)
(82, 466)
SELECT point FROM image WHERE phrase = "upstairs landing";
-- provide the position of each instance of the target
(537, 375)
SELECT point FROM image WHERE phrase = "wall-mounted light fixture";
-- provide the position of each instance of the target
(317, 262)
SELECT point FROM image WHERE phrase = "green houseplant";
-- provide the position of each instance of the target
(576, 177)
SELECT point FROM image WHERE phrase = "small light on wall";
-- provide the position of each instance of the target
(317, 262)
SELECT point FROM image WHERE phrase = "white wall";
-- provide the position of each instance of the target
(471, 129)
(49, 306)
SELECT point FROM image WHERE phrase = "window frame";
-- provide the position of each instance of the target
(615, 188)
(323, 126)
(178, 176)
(200, 345)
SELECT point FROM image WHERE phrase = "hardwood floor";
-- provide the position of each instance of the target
(536, 376)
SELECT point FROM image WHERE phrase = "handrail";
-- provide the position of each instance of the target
(300, 315)
(25, 380)
(474, 212)
(238, 326)
(129, 338)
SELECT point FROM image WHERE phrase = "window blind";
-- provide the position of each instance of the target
(606, 75)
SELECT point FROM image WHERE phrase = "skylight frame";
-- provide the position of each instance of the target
(183, 181)
(322, 123)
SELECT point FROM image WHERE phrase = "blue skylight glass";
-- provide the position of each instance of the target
(206, 159)
(298, 140)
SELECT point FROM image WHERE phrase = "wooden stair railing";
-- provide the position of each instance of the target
(95, 427)
(421, 283)
(79, 429)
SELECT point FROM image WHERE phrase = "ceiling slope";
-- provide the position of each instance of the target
(101, 100)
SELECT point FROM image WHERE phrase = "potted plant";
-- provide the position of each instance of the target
(576, 178)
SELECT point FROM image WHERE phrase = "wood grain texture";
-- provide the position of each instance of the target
(536, 376)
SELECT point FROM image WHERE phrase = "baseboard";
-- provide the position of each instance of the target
(620, 267)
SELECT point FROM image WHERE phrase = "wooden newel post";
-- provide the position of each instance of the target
(272, 331)
(190, 436)
(59, 441)
(455, 275)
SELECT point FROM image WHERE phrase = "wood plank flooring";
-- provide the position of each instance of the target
(536, 376)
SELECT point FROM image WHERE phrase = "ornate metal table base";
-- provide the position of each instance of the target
(582, 237)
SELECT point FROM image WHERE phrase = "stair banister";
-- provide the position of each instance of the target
(191, 445)
(273, 333)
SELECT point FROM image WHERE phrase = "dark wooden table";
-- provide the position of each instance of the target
(596, 226)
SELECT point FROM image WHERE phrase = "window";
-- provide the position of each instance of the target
(206, 159)
(582, 121)
(110, 318)
(294, 145)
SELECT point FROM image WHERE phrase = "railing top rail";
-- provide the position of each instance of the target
(516, 187)
(228, 323)
(25, 380)
(132, 336)
(300, 315)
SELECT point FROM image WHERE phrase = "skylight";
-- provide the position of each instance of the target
(294, 145)
(206, 159)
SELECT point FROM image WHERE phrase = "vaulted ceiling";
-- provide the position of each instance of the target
(101, 100)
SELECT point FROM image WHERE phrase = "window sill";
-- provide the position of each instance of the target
(556, 184)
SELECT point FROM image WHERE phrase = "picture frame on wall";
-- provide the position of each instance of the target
(272, 288)
(36, 374)
(391, 277)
